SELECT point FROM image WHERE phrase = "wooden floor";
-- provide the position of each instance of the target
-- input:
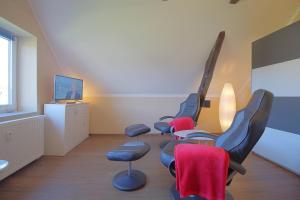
(85, 174)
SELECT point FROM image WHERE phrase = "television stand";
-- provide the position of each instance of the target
(65, 102)
(66, 126)
(71, 102)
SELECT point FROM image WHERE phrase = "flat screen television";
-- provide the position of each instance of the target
(67, 88)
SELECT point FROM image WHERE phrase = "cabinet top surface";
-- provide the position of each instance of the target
(66, 104)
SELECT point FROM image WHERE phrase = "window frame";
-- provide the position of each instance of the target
(12, 90)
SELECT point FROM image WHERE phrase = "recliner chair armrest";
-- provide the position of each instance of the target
(200, 134)
(166, 117)
(237, 167)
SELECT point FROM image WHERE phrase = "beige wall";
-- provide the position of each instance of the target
(20, 13)
(111, 114)
(27, 74)
(138, 57)
(243, 23)
(296, 16)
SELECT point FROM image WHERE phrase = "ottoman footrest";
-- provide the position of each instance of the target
(130, 151)
(128, 181)
(136, 130)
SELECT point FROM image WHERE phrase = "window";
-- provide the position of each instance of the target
(7, 72)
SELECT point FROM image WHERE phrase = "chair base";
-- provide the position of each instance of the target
(129, 182)
(174, 194)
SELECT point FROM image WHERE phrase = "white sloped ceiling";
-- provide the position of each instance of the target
(154, 46)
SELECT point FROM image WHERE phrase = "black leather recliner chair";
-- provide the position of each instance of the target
(191, 107)
(247, 128)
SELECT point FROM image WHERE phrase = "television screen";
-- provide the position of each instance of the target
(67, 88)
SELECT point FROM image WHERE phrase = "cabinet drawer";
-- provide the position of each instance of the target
(77, 125)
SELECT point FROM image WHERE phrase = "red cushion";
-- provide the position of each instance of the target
(182, 123)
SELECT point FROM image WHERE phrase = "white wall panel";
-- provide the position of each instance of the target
(280, 147)
(282, 78)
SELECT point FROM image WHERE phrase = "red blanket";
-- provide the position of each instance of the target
(201, 170)
(182, 123)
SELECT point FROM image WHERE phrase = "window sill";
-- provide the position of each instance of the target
(15, 115)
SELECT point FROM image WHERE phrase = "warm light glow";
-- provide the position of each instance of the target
(227, 106)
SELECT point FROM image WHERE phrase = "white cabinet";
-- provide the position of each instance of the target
(66, 126)
(21, 142)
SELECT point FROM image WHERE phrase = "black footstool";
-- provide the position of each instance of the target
(130, 179)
